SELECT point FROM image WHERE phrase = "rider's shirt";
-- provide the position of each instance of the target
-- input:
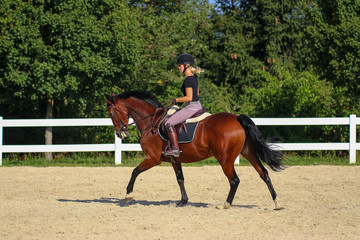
(191, 82)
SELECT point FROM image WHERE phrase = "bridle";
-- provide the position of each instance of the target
(124, 126)
(114, 112)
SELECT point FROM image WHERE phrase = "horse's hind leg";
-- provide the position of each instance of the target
(229, 170)
(180, 180)
(249, 153)
(234, 183)
(265, 177)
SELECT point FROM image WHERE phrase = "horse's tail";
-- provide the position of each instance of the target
(263, 151)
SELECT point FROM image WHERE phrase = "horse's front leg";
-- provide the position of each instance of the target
(144, 165)
(180, 180)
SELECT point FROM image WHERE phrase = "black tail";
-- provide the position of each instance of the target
(263, 151)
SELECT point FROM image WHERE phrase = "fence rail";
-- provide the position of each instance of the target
(118, 147)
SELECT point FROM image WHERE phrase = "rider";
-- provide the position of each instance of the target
(190, 91)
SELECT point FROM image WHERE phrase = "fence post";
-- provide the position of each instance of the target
(237, 160)
(117, 150)
(352, 140)
(1, 139)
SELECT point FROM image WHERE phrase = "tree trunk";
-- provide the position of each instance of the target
(48, 130)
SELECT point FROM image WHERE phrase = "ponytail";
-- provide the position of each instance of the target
(196, 70)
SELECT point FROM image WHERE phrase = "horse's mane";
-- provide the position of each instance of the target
(143, 95)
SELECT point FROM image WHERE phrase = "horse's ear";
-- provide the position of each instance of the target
(108, 99)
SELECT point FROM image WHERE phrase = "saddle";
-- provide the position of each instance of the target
(185, 130)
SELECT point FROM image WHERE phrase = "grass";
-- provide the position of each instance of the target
(107, 160)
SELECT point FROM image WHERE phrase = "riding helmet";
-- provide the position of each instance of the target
(185, 58)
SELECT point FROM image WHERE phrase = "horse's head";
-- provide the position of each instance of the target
(141, 105)
(119, 116)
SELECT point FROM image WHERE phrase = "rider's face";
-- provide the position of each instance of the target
(181, 67)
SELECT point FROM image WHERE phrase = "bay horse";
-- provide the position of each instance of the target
(223, 135)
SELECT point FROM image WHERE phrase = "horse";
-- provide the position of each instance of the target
(223, 135)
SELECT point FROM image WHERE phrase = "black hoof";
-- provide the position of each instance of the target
(181, 204)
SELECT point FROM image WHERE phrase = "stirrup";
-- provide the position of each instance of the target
(173, 154)
(170, 155)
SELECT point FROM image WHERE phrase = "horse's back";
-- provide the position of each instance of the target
(221, 120)
(224, 124)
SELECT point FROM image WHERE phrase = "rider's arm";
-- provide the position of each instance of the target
(188, 97)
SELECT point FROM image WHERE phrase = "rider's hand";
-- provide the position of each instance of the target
(173, 101)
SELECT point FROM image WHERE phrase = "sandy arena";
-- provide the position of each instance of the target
(321, 202)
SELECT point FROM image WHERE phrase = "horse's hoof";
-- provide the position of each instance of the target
(226, 205)
(279, 208)
(277, 204)
(181, 204)
(128, 198)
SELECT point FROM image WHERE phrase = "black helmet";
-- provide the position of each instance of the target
(185, 58)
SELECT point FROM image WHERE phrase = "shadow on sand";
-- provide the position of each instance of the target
(122, 203)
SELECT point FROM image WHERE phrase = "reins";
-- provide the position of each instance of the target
(125, 126)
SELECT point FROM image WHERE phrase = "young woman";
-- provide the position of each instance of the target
(190, 91)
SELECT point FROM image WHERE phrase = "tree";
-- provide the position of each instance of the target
(333, 35)
(170, 28)
(291, 94)
(66, 55)
(252, 35)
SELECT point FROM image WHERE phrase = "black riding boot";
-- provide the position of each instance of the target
(174, 150)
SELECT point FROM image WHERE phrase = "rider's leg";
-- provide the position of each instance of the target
(174, 149)
(179, 117)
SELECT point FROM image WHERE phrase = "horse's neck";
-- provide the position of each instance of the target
(144, 114)
(139, 111)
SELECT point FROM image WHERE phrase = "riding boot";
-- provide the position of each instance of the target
(174, 150)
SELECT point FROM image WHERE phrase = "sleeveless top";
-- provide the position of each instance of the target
(191, 82)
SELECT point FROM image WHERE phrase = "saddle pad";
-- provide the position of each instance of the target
(199, 118)
(183, 137)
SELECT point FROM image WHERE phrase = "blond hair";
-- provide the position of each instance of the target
(196, 70)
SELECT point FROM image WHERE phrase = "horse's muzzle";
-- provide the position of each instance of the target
(122, 134)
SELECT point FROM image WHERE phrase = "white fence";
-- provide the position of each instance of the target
(352, 146)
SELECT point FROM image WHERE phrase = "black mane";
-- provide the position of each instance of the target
(146, 96)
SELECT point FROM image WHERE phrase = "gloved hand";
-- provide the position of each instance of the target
(173, 101)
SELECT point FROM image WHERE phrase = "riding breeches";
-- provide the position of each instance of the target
(188, 111)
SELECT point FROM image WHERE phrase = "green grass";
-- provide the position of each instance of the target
(107, 160)
(63, 162)
(60, 160)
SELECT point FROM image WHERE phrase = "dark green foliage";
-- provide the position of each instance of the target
(262, 58)
(333, 34)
